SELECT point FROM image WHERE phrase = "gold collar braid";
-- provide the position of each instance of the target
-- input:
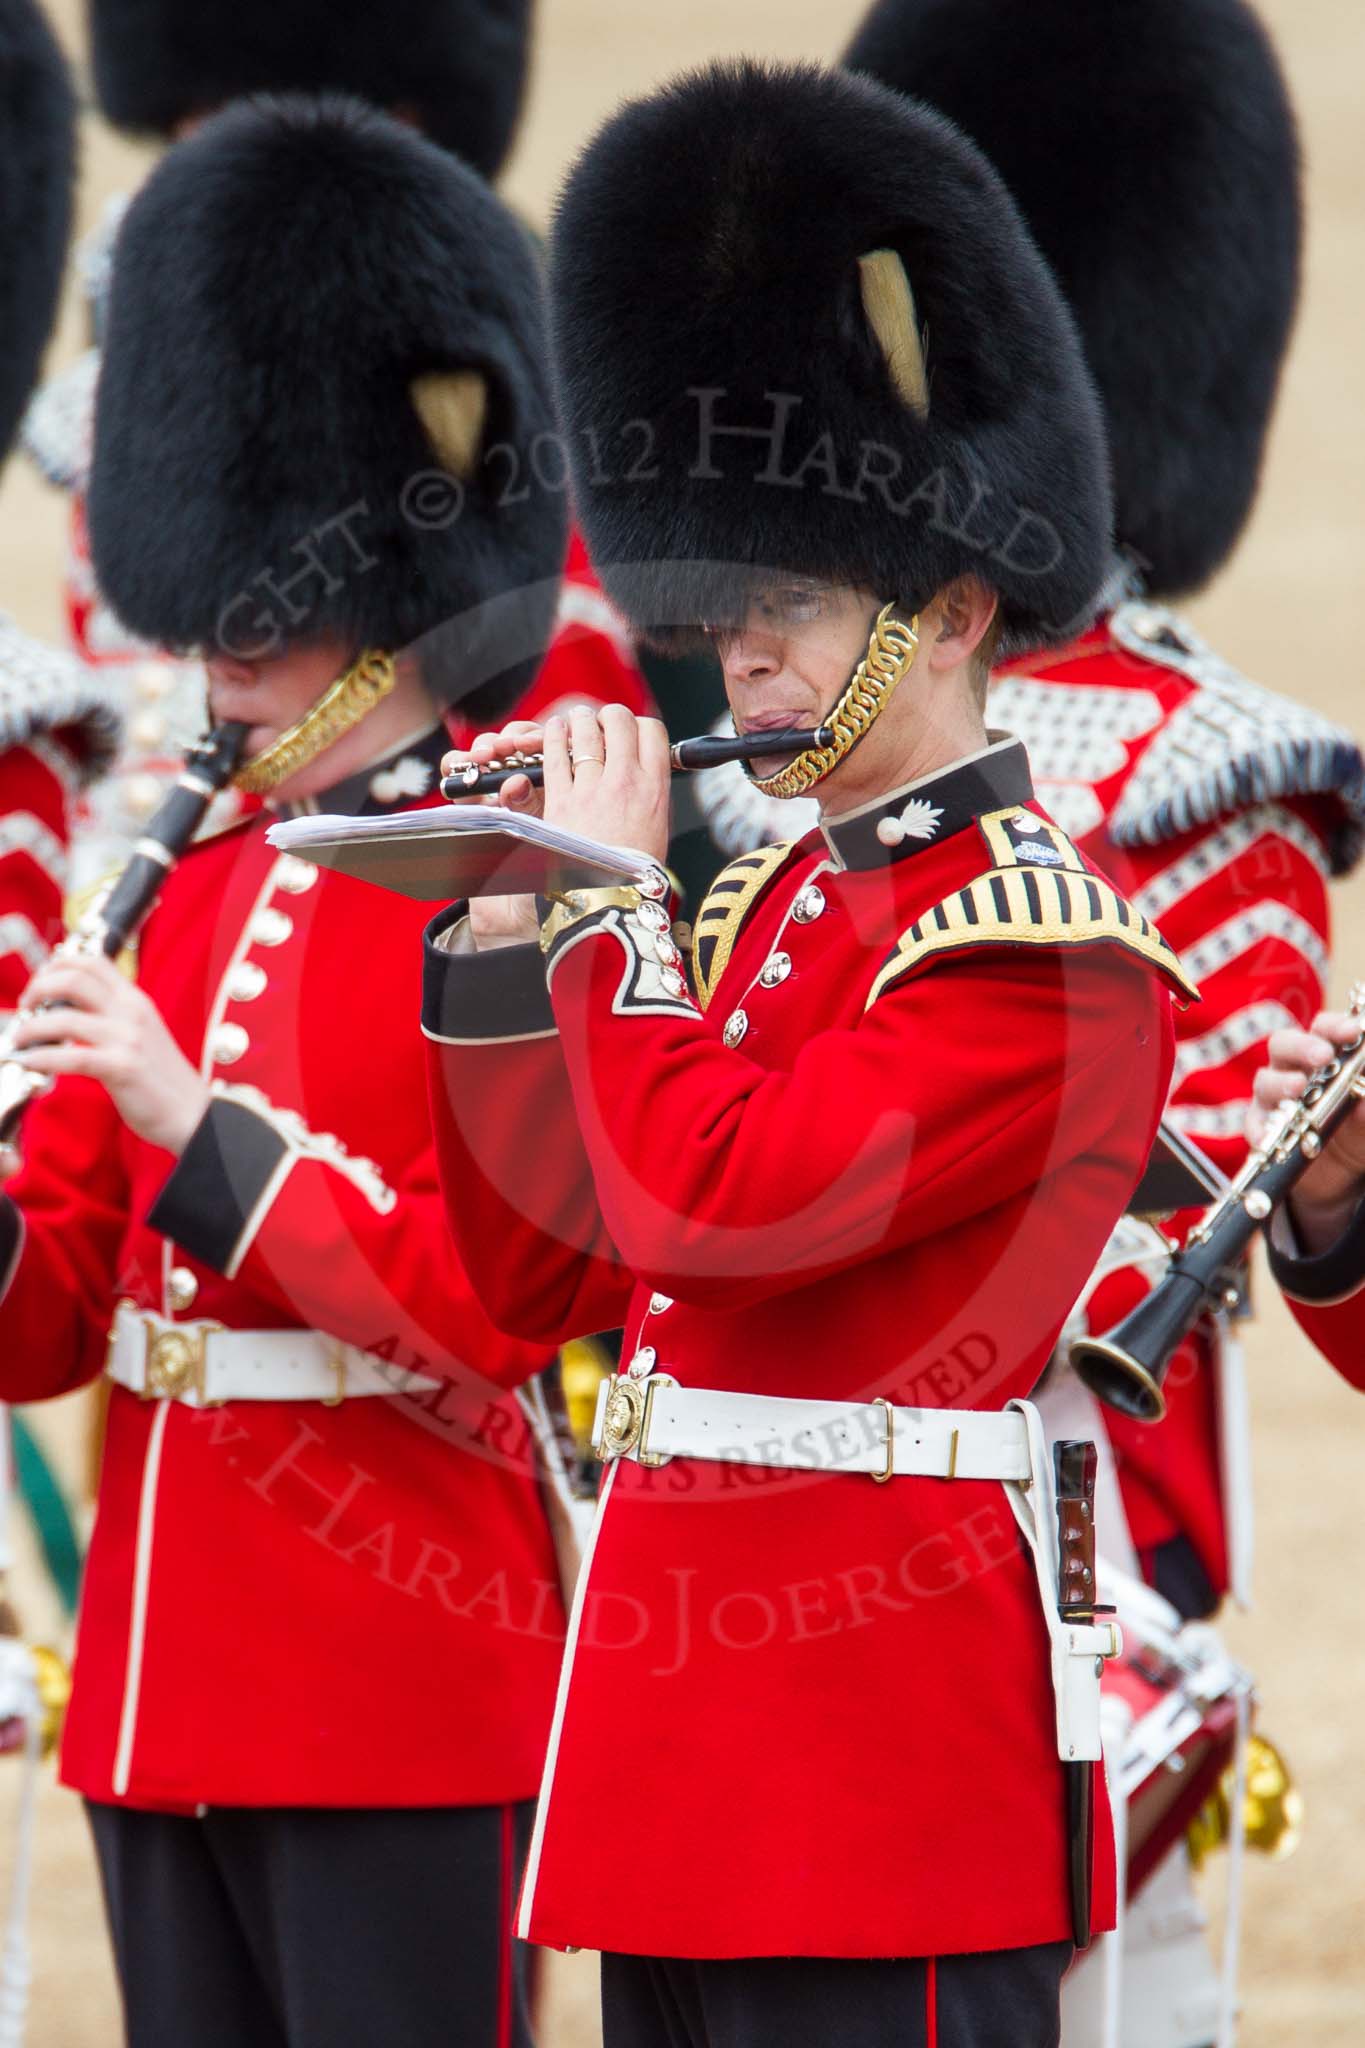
(890, 652)
(342, 704)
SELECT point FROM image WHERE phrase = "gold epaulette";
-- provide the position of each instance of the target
(729, 900)
(1038, 894)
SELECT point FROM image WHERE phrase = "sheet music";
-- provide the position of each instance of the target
(296, 835)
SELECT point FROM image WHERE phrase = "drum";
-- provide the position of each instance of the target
(1173, 1701)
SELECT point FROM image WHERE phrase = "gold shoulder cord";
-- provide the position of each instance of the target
(890, 652)
(343, 704)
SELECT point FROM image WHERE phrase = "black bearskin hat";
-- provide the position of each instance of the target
(455, 67)
(1151, 146)
(37, 158)
(323, 400)
(800, 326)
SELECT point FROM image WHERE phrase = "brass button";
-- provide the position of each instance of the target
(775, 970)
(809, 904)
(246, 982)
(142, 794)
(735, 1029)
(181, 1289)
(154, 680)
(659, 1302)
(653, 915)
(147, 729)
(673, 983)
(270, 927)
(643, 1363)
(666, 952)
(295, 876)
(229, 1043)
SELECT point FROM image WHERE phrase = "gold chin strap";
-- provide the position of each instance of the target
(343, 704)
(890, 652)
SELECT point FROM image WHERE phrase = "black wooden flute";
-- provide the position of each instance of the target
(707, 751)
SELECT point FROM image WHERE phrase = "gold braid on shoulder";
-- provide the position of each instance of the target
(890, 652)
(343, 704)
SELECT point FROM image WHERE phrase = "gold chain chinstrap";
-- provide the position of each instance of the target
(890, 652)
(343, 704)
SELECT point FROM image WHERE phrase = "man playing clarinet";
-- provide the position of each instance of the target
(842, 1189)
(321, 1617)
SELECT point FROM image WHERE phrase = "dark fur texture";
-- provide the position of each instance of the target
(458, 66)
(709, 238)
(37, 160)
(1151, 146)
(280, 280)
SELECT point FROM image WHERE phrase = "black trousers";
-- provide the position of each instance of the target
(311, 1928)
(1006, 2000)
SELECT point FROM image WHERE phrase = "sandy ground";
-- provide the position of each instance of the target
(1287, 612)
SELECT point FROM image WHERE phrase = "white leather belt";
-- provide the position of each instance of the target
(203, 1364)
(654, 1419)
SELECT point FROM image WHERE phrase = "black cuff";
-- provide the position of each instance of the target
(11, 1237)
(211, 1199)
(478, 998)
(1322, 1277)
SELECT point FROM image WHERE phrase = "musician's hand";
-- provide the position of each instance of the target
(1325, 1199)
(490, 748)
(106, 1028)
(608, 776)
(9, 1163)
(503, 920)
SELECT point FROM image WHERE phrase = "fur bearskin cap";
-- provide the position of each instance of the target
(456, 67)
(1151, 146)
(728, 404)
(323, 403)
(37, 157)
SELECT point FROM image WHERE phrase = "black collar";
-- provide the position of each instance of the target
(411, 772)
(929, 811)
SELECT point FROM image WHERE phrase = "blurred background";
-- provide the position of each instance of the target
(1287, 613)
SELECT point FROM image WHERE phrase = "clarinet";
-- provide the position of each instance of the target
(710, 750)
(117, 912)
(1127, 1366)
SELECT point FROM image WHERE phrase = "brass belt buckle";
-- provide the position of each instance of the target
(175, 1361)
(888, 1470)
(625, 1421)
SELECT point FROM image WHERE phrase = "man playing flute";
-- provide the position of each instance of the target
(825, 407)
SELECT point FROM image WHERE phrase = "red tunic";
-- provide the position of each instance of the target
(57, 729)
(386, 1561)
(1326, 1292)
(33, 843)
(800, 1713)
(286, 1603)
(1218, 809)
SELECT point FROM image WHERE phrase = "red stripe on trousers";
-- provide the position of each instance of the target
(931, 2003)
(505, 1934)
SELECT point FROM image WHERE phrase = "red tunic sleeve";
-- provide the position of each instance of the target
(516, 1177)
(62, 1224)
(322, 1235)
(1326, 1292)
